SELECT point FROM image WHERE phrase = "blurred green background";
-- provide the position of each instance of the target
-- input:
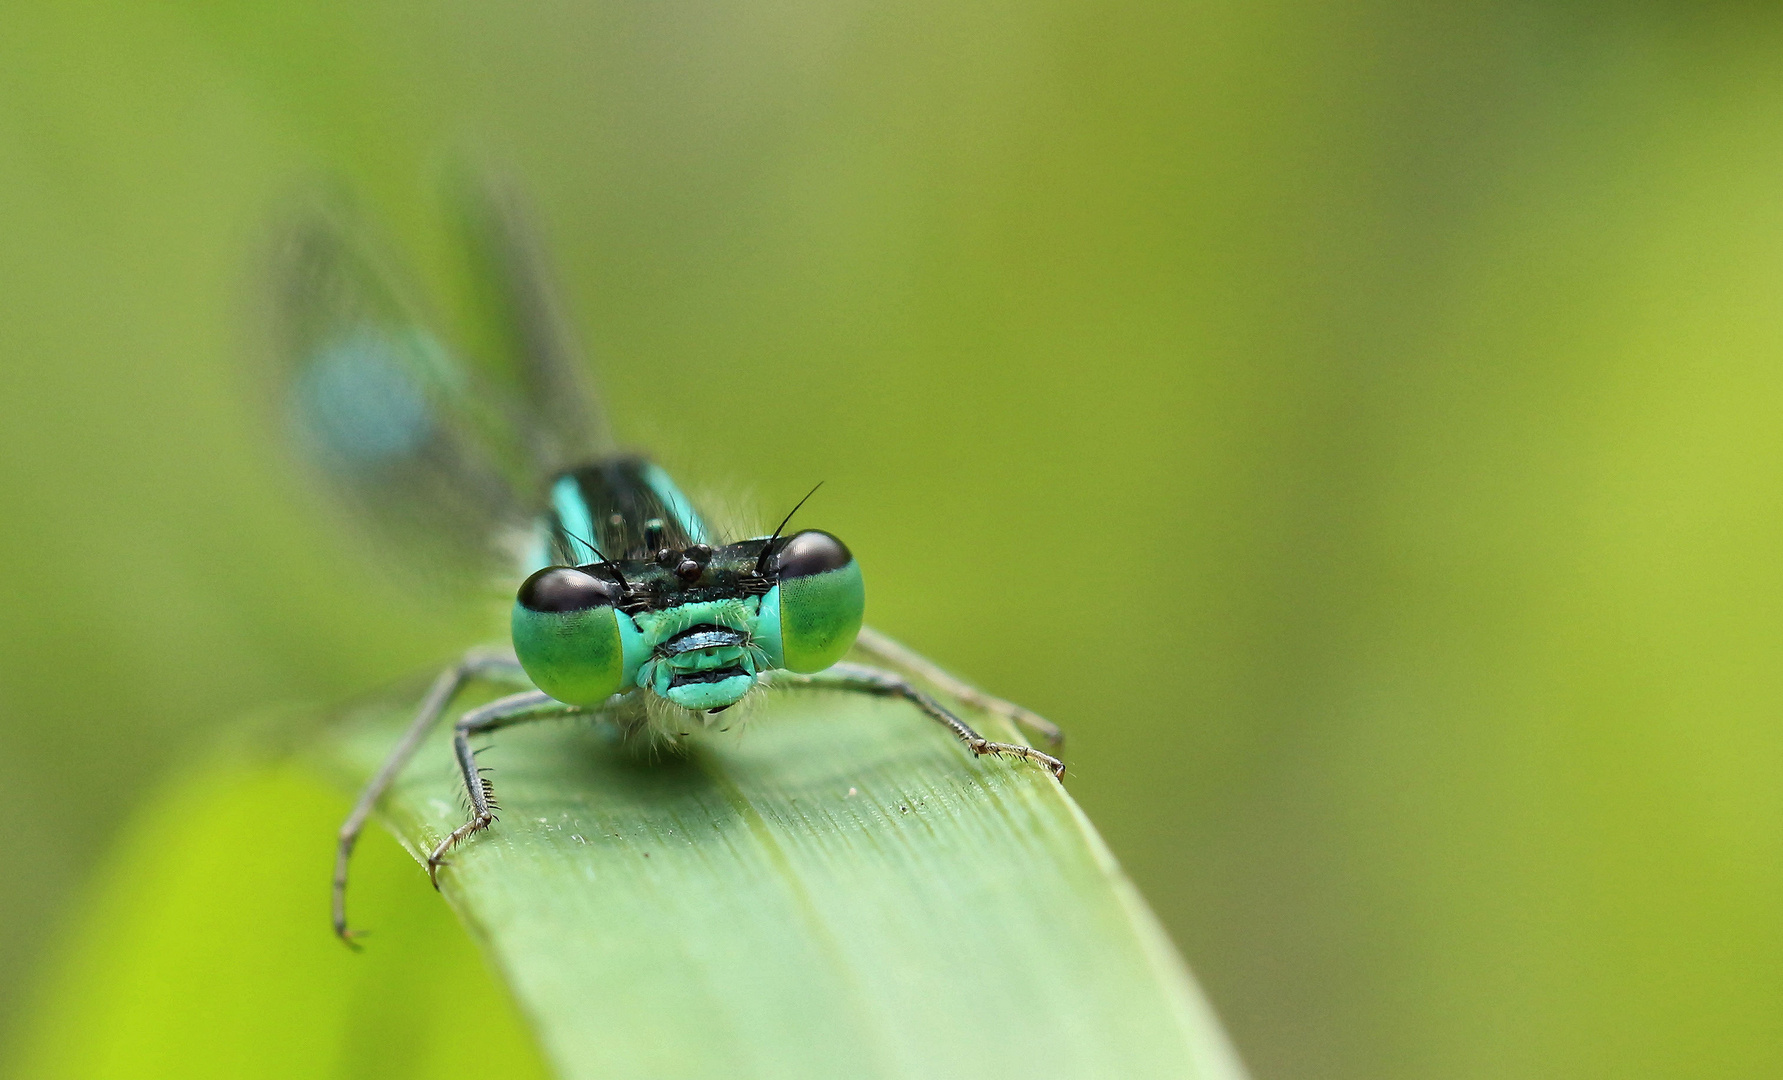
(1358, 423)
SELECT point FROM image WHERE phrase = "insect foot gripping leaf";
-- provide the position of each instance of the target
(837, 891)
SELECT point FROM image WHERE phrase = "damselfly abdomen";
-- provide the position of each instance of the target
(629, 605)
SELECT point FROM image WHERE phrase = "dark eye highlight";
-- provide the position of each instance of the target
(564, 588)
(810, 552)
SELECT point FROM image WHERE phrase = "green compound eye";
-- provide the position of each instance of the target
(570, 639)
(821, 597)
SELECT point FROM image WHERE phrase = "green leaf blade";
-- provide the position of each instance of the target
(837, 888)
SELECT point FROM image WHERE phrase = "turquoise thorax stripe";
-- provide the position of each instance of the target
(680, 507)
(572, 514)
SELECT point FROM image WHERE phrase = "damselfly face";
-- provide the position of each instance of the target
(694, 626)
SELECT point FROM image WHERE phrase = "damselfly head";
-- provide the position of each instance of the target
(696, 627)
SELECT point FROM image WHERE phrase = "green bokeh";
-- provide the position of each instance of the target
(1357, 423)
(215, 881)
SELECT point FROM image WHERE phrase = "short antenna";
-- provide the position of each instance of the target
(606, 562)
(761, 563)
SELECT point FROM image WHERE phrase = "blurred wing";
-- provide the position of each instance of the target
(559, 425)
(377, 404)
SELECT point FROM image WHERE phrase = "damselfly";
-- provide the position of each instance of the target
(631, 606)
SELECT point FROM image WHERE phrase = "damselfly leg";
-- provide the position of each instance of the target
(880, 647)
(535, 705)
(478, 664)
(506, 712)
(866, 680)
